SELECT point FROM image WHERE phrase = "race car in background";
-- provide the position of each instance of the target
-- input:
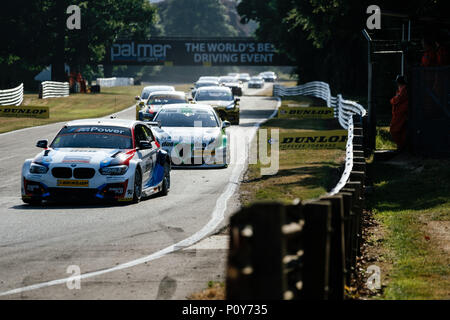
(256, 82)
(233, 83)
(244, 77)
(194, 136)
(156, 100)
(146, 92)
(222, 100)
(268, 76)
(106, 159)
(203, 83)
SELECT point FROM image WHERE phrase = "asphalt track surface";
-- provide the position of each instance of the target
(39, 243)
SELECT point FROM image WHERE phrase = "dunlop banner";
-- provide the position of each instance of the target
(306, 112)
(25, 112)
(327, 139)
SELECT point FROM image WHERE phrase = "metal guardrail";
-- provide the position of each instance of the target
(53, 89)
(343, 109)
(114, 82)
(12, 97)
(307, 250)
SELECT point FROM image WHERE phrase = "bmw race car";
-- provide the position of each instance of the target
(256, 82)
(156, 100)
(194, 135)
(203, 83)
(222, 100)
(146, 93)
(107, 159)
(268, 76)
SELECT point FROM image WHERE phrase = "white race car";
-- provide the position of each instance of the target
(108, 159)
(194, 135)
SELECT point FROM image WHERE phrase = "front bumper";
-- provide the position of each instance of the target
(99, 187)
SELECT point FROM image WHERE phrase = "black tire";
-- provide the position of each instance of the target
(137, 189)
(166, 181)
(32, 202)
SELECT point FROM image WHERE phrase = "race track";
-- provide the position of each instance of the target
(37, 244)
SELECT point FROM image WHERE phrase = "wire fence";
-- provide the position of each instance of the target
(12, 97)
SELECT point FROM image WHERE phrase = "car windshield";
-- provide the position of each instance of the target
(165, 100)
(213, 95)
(107, 137)
(186, 117)
(256, 79)
(205, 84)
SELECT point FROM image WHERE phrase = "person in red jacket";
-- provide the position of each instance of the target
(399, 114)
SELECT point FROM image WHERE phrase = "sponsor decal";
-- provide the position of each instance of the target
(327, 139)
(72, 183)
(25, 112)
(306, 113)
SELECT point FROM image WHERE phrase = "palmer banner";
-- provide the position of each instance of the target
(25, 112)
(194, 52)
(327, 139)
(305, 112)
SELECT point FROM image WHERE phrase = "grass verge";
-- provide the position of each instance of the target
(78, 106)
(411, 203)
(302, 174)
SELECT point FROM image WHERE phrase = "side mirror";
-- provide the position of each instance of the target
(192, 88)
(226, 124)
(237, 100)
(42, 144)
(145, 145)
(137, 98)
(191, 99)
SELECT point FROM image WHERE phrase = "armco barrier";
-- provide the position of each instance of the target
(307, 250)
(114, 82)
(12, 97)
(343, 109)
(52, 89)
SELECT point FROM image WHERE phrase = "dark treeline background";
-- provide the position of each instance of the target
(322, 37)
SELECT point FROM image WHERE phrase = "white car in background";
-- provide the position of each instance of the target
(244, 77)
(203, 83)
(149, 89)
(268, 76)
(256, 82)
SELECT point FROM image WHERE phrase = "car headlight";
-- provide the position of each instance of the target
(114, 170)
(37, 168)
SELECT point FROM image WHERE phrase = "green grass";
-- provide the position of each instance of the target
(77, 106)
(383, 140)
(405, 199)
(302, 174)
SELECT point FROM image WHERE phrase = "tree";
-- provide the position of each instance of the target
(35, 33)
(197, 18)
(323, 37)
